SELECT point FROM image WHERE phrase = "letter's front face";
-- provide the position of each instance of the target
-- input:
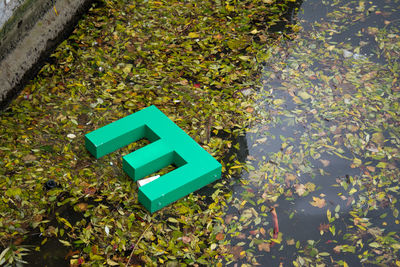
(170, 145)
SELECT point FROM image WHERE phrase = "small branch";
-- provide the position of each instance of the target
(208, 128)
(276, 225)
(137, 242)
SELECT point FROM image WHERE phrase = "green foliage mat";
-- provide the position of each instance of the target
(197, 61)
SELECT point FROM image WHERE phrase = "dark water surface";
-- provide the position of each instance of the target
(353, 30)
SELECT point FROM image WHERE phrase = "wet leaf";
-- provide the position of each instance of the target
(186, 239)
(220, 236)
(300, 189)
(318, 202)
(264, 247)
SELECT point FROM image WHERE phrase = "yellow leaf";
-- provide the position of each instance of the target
(357, 162)
(65, 243)
(352, 191)
(244, 58)
(236, 167)
(278, 102)
(65, 222)
(329, 215)
(112, 263)
(297, 100)
(304, 95)
(193, 35)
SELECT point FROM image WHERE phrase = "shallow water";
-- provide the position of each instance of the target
(350, 29)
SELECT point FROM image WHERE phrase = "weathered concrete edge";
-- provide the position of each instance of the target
(23, 62)
(21, 21)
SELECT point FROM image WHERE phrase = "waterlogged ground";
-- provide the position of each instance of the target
(305, 123)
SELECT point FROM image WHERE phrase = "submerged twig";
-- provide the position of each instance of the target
(137, 242)
(276, 225)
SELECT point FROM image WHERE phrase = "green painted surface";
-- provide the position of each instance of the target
(170, 145)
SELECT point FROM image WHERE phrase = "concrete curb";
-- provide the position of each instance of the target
(30, 36)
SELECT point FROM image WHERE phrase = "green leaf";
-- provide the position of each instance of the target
(173, 220)
(374, 245)
(337, 208)
(65, 243)
(324, 254)
(381, 165)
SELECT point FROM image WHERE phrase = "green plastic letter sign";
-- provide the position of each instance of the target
(169, 145)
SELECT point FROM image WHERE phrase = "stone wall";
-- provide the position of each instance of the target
(29, 32)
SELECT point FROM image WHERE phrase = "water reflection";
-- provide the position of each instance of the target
(295, 148)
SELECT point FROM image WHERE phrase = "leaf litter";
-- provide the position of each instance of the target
(319, 113)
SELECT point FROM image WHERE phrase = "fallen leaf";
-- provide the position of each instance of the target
(81, 206)
(290, 242)
(186, 239)
(220, 236)
(241, 236)
(29, 158)
(318, 202)
(264, 247)
(371, 168)
(304, 95)
(71, 136)
(290, 177)
(300, 189)
(262, 231)
(193, 35)
(250, 109)
(337, 249)
(237, 252)
(324, 227)
(325, 162)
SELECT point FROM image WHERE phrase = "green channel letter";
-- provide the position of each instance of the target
(169, 145)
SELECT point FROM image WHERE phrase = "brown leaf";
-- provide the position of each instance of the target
(90, 191)
(337, 249)
(29, 158)
(241, 236)
(371, 168)
(81, 207)
(37, 218)
(290, 242)
(349, 201)
(290, 177)
(300, 189)
(186, 239)
(18, 241)
(318, 202)
(262, 231)
(264, 247)
(71, 253)
(228, 218)
(254, 232)
(325, 162)
(323, 227)
(237, 252)
(220, 236)
(250, 109)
